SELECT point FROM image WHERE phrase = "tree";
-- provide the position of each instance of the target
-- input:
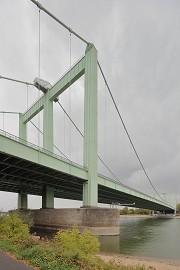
(178, 207)
(124, 211)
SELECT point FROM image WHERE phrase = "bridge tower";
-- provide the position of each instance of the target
(90, 146)
(97, 220)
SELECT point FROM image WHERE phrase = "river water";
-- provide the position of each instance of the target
(148, 237)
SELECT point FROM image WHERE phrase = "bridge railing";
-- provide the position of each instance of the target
(132, 189)
(40, 149)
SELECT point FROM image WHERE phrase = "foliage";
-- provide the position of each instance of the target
(47, 257)
(178, 207)
(12, 228)
(70, 250)
(79, 244)
(26, 217)
(126, 211)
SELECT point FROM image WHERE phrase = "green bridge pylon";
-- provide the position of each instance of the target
(86, 66)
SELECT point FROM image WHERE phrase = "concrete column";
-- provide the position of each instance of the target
(48, 123)
(48, 197)
(22, 129)
(22, 200)
(90, 189)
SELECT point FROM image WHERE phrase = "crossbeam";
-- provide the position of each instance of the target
(66, 81)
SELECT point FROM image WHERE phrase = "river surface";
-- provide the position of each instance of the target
(148, 237)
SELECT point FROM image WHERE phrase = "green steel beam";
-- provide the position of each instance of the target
(103, 181)
(48, 197)
(22, 200)
(22, 128)
(90, 188)
(68, 79)
(33, 110)
(40, 156)
(109, 190)
(48, 123)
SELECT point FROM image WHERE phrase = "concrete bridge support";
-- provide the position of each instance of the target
(99, 221)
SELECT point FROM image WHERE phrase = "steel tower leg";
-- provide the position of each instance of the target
(48, 197)
(90, 189)
(48, 123)
(22, 197)
(22, 129)
(22, 201)
(48, 192)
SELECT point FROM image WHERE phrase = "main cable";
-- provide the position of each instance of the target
(127, 133)
(60, 22)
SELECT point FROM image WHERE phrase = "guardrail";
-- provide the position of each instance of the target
(140, 192)
(40, 149)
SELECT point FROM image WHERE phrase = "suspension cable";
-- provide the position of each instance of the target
(39, 69)
(127, 133)
(53, 145)
(27, 97)
(70, 96)
(3, 121)
(57, 20)
(83, 137)
(14, 80)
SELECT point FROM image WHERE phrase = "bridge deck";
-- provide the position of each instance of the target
(24, 167)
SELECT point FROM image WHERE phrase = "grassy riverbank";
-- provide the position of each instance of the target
(69, 250)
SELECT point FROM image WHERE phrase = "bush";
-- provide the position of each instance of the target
(47, 257)
(12, 228)
(75, 243)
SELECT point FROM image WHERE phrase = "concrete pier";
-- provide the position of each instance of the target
(99, 221)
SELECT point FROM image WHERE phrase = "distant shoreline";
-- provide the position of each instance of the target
(148, 216)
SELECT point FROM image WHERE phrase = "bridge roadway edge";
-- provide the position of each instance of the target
(98, 221)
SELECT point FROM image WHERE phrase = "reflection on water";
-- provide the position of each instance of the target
(149, 237)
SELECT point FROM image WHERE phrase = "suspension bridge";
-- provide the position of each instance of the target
(26, 168)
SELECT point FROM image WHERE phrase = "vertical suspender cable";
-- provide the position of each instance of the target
(39, 71)
(39, 53)
(27, 96)
(105, 123)
(3, 120)
(70, 97)
(64, 132)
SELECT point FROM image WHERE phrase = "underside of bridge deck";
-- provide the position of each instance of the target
(20, 175)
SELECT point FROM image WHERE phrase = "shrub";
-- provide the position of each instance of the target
(75, 243)
(47, 257)
(12, 228)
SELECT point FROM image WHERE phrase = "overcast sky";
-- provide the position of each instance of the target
(138, 45)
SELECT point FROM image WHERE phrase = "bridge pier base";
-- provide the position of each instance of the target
(99, 221)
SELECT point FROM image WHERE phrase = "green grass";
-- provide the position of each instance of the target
(46, 256)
